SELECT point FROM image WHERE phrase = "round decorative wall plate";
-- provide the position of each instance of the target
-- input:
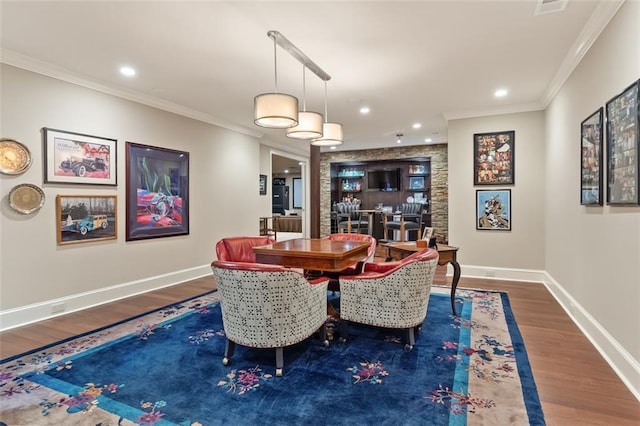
(15, 158)
(26, 198)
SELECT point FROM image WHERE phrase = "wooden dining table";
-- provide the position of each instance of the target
(313, 254)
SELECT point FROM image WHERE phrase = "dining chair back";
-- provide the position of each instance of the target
(240, 249)
(390, 294)
(407, 219)
(350, 219)
(268, 306)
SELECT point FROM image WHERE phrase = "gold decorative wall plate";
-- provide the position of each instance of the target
(15, 157)
(26, 198)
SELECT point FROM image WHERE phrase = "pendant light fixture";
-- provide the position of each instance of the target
(331, 132)
(309, 123)
(275, 110)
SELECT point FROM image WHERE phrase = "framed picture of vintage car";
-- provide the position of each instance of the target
(494, 158)
(623, 147)
(77, 158)
(86, 218)
(591, 160)
(157, 192)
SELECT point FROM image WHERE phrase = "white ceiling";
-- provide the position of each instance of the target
(413, 61)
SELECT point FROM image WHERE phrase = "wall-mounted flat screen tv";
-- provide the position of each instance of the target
(384, 180)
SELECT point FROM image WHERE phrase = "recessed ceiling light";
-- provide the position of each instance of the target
(428, 140)
(417, 125)
(332, 147)
(127, 71)
(364, 110)
(500, 93)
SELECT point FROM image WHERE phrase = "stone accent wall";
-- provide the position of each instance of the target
(439, 180)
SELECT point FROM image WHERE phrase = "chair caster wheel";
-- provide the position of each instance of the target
(342, 340)
(325, 343)
(278, 372)
(226, 361)
(408, 347)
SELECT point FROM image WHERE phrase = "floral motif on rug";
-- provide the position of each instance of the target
(165, 368)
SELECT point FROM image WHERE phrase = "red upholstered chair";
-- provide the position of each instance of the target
(390, 295)
(352, 270)
(240, 249)
(269, 306)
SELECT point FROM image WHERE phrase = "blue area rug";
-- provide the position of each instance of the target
(165, 368)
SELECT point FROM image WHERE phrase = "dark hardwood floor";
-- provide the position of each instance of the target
(575, 384)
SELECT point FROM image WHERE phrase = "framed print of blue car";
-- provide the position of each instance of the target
(77, 158)
(157, 192)
(86, 218)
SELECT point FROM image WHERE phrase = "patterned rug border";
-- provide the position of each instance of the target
(104, 327)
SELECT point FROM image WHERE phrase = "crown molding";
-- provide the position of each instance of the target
(511, 109)
(597, 22)
(18, 60)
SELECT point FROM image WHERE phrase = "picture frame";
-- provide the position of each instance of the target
(263, 185)
(494, 158)
(591, 153)
(623, 147)
(86, 218)
(157, 192)
(493, 210)
(77, 158)
(416, 182)
(417, 169)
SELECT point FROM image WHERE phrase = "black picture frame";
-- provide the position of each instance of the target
(79, 159)
(493, 210)
(416, 183)
(591, 154)
(157, 192)
(623, 147)
(263, 185)
(494, 158)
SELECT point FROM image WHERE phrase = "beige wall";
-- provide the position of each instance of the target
(593, 253)
(523, 246)
(223, 169)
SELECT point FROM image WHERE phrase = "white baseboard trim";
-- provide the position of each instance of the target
(41, 311)
(493, 273)
(625, 366)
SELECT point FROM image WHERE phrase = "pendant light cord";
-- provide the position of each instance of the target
(326, 114)
(275, 63)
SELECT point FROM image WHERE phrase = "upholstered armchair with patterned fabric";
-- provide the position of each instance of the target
(240, 249)
(409, 218)
(268, 306)
(349, 219)
(390, 295)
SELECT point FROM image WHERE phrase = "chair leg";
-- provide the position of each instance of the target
(343, 331)
(279, 362)
(228, 352)
(411, 341)
(323, 334)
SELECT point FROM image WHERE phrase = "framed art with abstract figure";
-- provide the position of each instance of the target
(157, 192)
(493, 210)
(623, 147)
(86, 218)
(494, 158)
(77, 158)
(591, 132)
